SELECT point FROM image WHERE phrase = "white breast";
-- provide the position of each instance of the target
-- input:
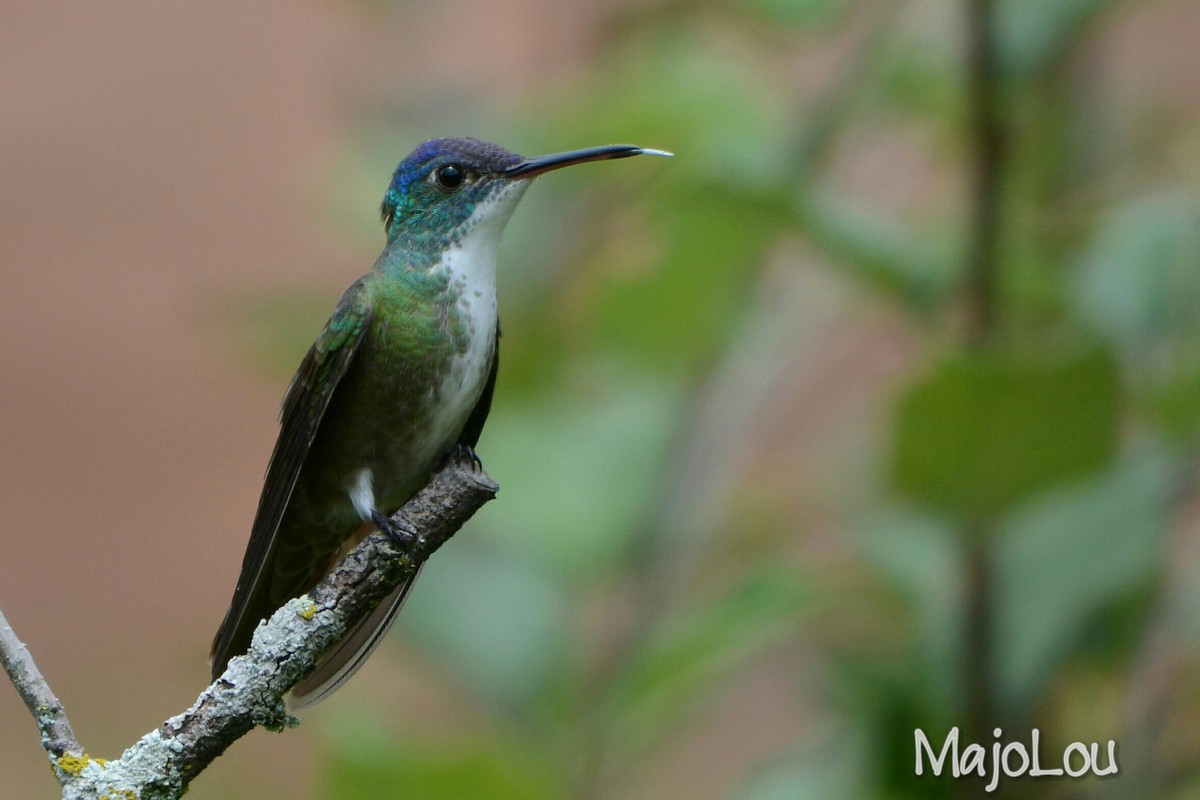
(471, 265)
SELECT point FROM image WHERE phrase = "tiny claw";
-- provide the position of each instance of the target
(464, 453)
(404, 536)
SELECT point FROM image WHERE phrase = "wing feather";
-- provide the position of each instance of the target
(340, 663)
(304, 405)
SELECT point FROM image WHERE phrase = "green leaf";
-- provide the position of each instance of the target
(674, 310)
(683, 88)
(578, 473)
(921, 558)
(493, 618)
(1066, 558)
(366, 766)
(835, 769)
(679, 668)
(1139, 277)
(807, 13)
(925, 77)
(1175, 405)
(983, 432)
(879, 251)
(1034, 34)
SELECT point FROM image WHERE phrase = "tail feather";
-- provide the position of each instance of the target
(339, 664)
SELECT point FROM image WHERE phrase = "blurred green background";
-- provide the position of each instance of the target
(877, 408)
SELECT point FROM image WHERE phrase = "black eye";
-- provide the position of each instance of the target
(450, 176)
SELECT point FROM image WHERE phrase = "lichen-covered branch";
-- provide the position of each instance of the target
(57, 736)
(285, 649)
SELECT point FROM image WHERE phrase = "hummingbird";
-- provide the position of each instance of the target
(401, 377)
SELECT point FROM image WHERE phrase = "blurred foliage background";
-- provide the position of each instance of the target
(875, 409)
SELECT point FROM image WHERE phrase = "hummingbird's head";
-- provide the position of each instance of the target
(448, 184)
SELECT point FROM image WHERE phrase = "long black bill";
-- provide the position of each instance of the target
(532, 167)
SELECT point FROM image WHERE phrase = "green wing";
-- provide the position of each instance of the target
(304, 405)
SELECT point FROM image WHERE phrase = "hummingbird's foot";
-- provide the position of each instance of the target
(464, 453)
(401, 533)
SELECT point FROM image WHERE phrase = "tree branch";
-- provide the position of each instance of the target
(285, 648)
(987, 164)
(989, 161)
(57, 735)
